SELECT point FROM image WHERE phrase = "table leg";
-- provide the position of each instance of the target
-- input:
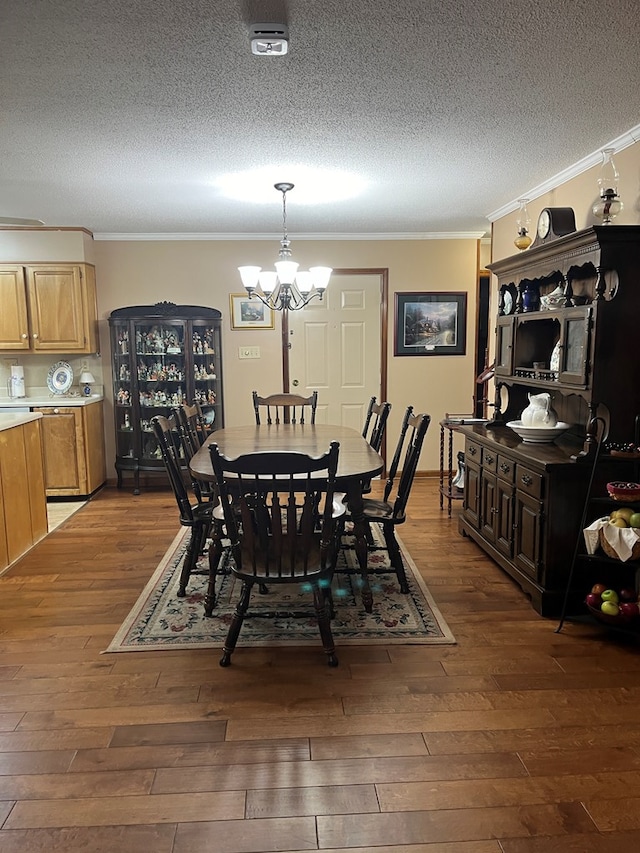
(360, 526)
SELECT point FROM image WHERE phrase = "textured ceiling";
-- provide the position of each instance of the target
(122, 116)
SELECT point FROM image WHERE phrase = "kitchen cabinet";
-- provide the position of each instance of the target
(162, 356)
(73, 447)
(23, 507)
(48, 308)
(523, 502)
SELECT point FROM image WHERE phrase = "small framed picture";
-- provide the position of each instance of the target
(430, 324)
(249, 313)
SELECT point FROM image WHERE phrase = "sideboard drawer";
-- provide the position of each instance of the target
(489, 459)
(528, 481)
(473, 452)
(506, 468)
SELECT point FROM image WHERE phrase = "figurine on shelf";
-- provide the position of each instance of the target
(208, 342)
(172, 343)
(127, 421)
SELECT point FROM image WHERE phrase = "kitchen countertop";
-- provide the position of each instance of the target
(48, 400)
(9, 421)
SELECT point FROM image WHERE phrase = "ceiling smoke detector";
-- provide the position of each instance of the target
(269, 39)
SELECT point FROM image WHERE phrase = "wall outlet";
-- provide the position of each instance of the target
(249, 352)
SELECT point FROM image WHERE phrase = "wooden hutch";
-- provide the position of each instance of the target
(523, 502)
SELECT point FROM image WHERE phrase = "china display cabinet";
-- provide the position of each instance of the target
(163, 355)
(523, 501)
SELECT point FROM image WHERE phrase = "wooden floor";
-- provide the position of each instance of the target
(515, 740)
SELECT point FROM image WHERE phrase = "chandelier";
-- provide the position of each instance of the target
(286, 287)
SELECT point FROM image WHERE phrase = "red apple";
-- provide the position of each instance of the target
(598, 588)
(629, 610)
(594, 600)
(628, 595)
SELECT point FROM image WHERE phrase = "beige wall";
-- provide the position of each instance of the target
(205, 273)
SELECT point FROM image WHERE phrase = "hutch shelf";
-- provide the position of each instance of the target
(523, 502)
(162, 356)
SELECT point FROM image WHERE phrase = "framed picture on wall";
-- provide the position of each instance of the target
(430, 324)
(250, 313)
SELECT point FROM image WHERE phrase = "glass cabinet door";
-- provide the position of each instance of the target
(207, 377)
(574, 349)
(122, 392)
(504, 346)
(160, 366)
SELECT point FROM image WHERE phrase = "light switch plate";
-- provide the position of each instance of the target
(248, 352)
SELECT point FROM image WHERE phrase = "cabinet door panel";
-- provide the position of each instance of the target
(504, 522)
(56, 303)
(528, 532)
(64, 453)
(35, 479)
(574, 366)
(504, 346)
(471, 504)
(14, 479)
(14, 325)
(488, 510)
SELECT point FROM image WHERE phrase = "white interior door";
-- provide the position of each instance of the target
(335, 348)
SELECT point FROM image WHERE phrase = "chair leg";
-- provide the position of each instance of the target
(395, 557)
(236, 624)
(215, 555)
(190, 559)
(324, 624)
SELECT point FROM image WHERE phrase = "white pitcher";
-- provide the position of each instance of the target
(539, 412)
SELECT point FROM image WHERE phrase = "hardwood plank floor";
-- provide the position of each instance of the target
(514, 740)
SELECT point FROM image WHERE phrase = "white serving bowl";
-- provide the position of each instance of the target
(538, 435)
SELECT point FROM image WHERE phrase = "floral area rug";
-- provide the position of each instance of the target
(161, 620)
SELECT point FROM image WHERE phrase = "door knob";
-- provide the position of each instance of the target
(295, 383)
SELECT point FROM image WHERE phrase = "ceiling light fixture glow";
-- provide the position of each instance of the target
(314, 186)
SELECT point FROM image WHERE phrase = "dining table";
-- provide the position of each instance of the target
(357, 463)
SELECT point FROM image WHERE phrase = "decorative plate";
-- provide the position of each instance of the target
(210, 416)
(60, 377)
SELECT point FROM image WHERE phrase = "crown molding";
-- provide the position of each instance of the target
(594, 159)
(427, 235)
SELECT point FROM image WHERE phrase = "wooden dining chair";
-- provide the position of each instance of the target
(390, 511)
(192, 433)
(375, 423)
(286, 408)
(200, 515)
(374, 428)
(280, 518)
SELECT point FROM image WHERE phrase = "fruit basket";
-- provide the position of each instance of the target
(621, 491)
(605, 617)
(610, 551)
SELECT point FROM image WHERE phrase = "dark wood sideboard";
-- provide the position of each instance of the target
(523, 502)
